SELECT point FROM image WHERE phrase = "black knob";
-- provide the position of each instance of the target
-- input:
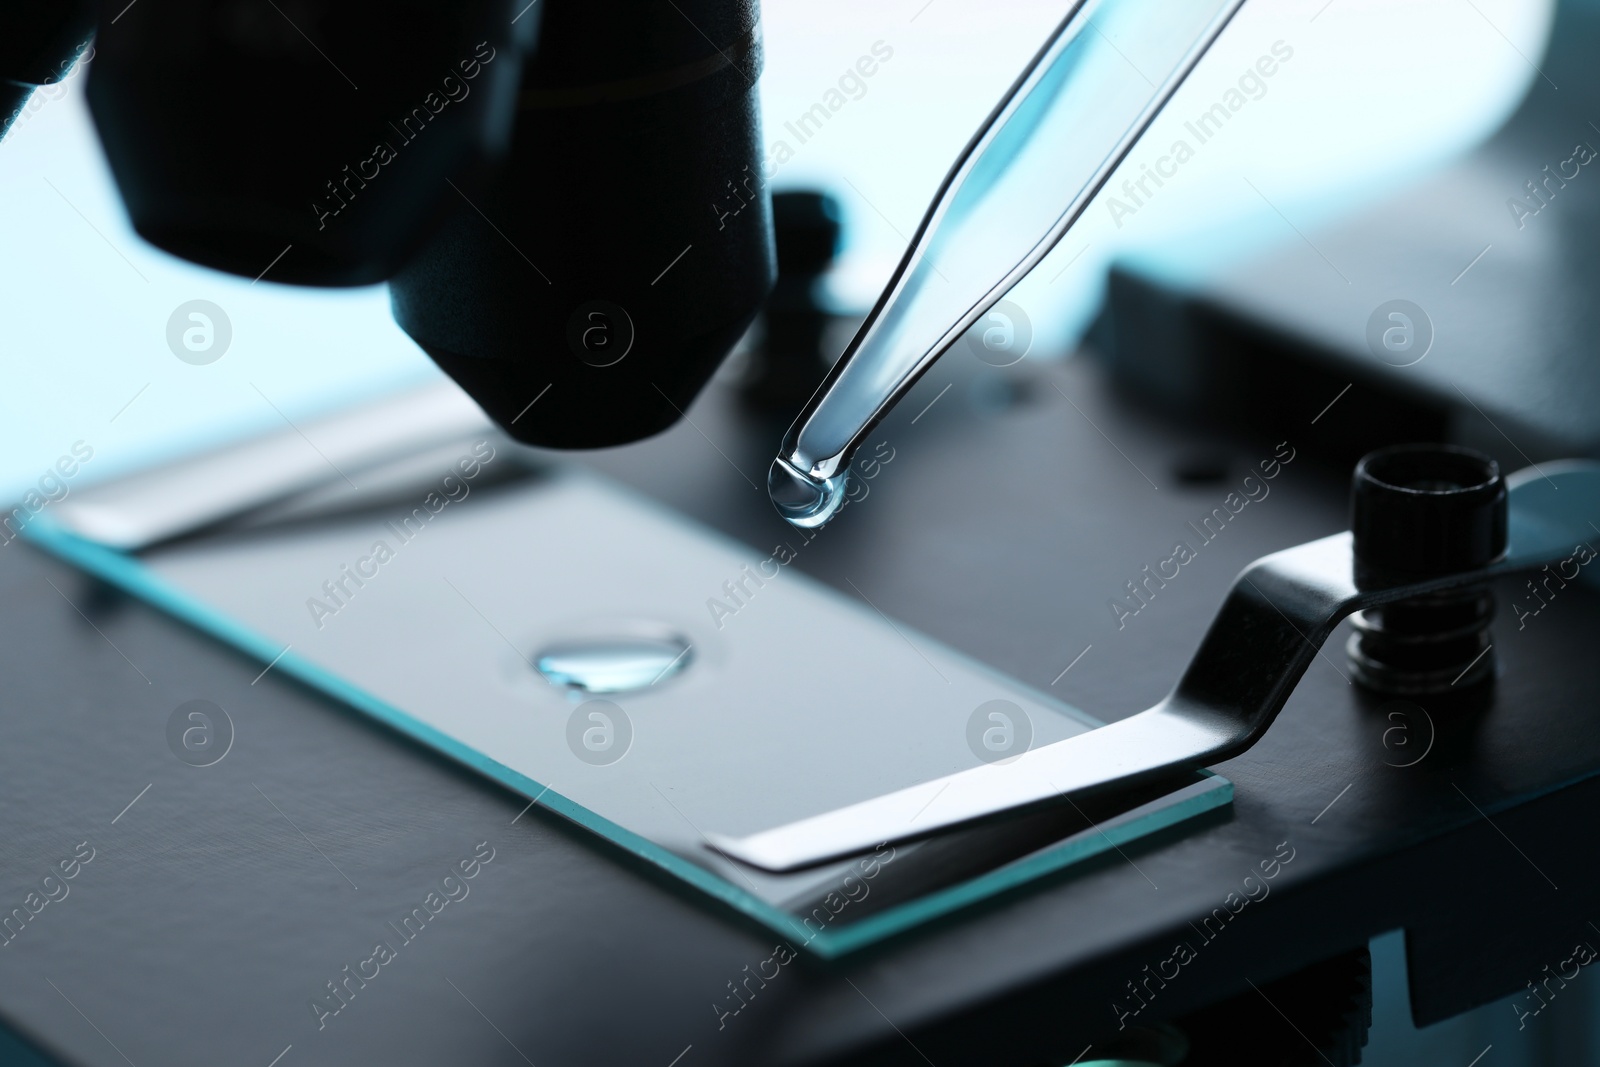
(807, 227)
(791, 360)
(318, 137)
(1421, 511)
(590, 293)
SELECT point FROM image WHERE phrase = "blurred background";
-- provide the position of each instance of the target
(1377, 94)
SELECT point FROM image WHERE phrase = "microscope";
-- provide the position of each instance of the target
(543, 186)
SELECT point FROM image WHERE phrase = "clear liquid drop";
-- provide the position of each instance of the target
(802, 500)
(612, 665)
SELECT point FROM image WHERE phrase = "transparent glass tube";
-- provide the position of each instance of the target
(1016, 189)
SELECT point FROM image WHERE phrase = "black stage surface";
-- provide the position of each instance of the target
(221, 902)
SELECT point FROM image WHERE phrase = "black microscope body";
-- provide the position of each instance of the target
(538, 183)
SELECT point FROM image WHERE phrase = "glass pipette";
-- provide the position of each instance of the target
(1016, 189)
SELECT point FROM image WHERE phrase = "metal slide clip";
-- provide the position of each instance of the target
(1271, 625)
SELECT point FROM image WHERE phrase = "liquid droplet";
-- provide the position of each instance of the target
(802, 500)
(613, 665)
